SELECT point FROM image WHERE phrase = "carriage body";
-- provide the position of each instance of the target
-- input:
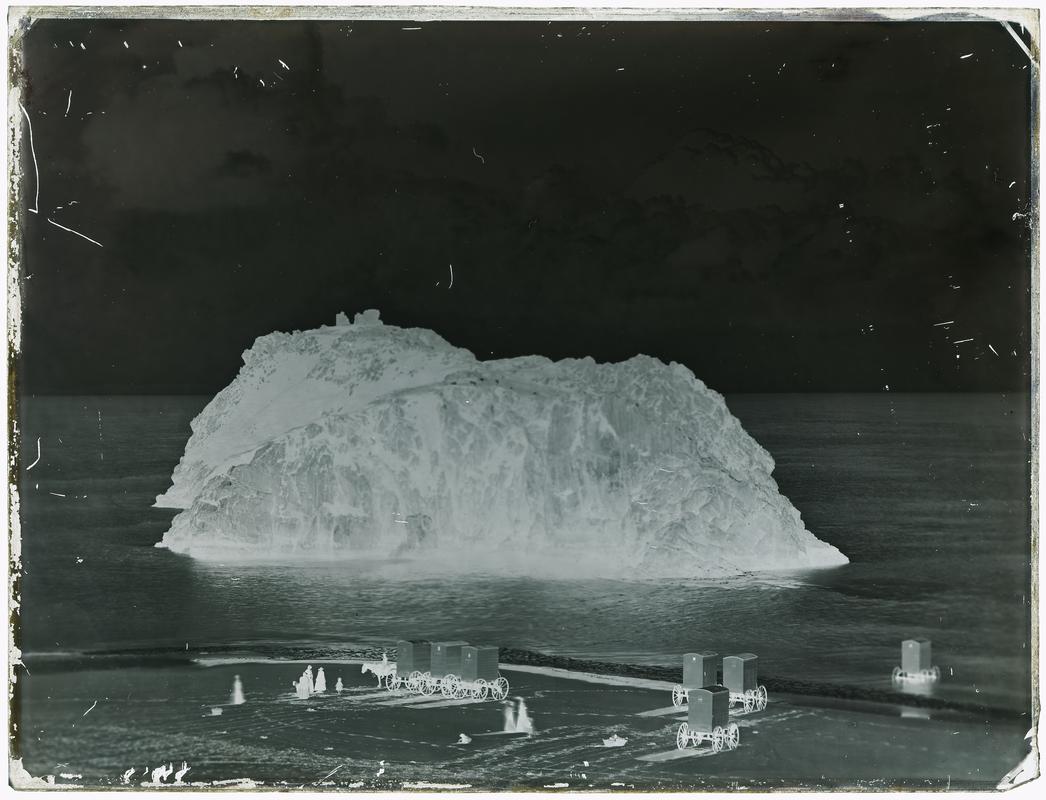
(741, 672)
(413, 657)
(915, 655)
(446, 658)
(479, 662)
(709, 708)
(699, 670)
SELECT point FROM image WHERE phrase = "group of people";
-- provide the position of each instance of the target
(517, 720)
(307, 685)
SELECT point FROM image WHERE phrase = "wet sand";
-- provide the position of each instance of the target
(146, 716)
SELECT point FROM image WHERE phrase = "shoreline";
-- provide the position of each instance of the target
(519, 660)
(367, 738)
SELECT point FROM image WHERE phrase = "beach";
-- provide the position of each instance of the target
(97, 723)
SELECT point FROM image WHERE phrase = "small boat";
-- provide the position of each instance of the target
(614, 741)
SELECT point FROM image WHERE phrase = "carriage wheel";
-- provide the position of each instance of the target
(462, 690)
(479, 689)
(749, 702)
(499, 689)
(679, 695)
(718, 739)
(427, 685)
(683, 736)
(733, 736)
(395, 682)
(896, 673)
(760, 698)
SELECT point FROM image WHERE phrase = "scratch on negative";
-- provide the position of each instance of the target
(477, 155)
(88, 238)
(88, 711)
(37, 455)
(451, 275)
(329, 774)
(69, 103)
(36, 169)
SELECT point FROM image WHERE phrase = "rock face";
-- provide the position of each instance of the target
(366, 440)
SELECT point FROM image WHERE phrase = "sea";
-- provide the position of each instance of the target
(927, 494)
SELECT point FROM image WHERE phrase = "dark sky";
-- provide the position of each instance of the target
(779, 206)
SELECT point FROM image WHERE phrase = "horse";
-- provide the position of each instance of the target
(382, 670)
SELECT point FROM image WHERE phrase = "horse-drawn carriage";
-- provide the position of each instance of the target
(454, 669)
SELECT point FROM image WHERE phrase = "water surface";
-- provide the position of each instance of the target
(927, 494)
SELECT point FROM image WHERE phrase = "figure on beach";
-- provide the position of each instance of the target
(524, 724)
(508, 716)
(321, 681)
(339, 687)
(303, 686)
(237, 698)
